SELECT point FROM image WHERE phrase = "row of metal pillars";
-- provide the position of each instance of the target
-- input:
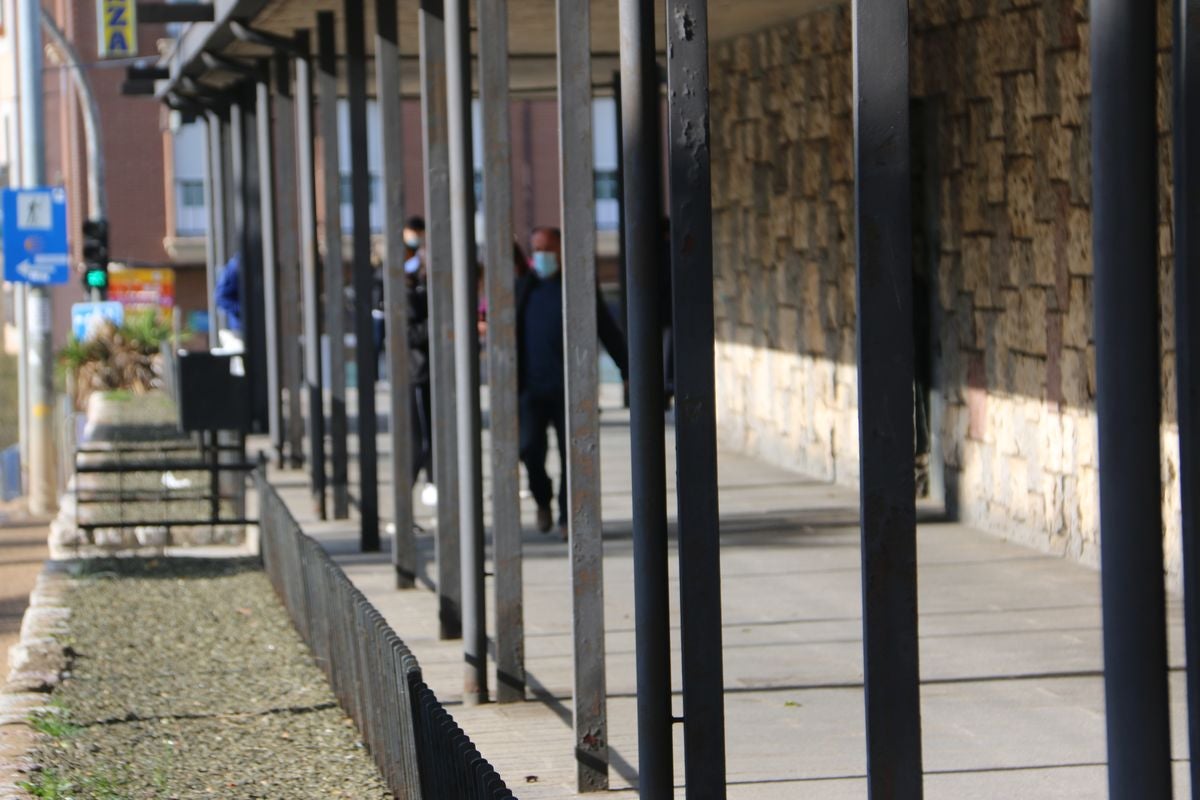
(251, 164)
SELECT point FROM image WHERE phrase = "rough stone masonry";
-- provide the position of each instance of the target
(1002, 224)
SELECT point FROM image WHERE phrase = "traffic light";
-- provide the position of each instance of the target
(95, 255)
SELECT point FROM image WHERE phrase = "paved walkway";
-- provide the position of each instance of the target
(1012, 693)
(22, 551)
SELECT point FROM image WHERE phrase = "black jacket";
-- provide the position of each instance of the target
(528, 378)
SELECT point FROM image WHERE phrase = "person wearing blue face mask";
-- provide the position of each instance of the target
(540, 371)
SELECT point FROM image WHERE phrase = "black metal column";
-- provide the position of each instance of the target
(395, 293)
(642, 171)
(502, 351)
(1128, 396)
(287, 244)
(364, 330)
(214, 196)
(695, 386)
(270, 260)
(466, 348)
(248, 220)
(885, 399)
(335, 300)
(439, 268)
(310, 272)
(1186, 126)
(229, 219)
(577, 197)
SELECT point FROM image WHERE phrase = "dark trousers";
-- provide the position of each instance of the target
(422, 431)
(538, 412)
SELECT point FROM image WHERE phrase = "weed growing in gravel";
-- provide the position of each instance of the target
(54, 722)
(52, 786)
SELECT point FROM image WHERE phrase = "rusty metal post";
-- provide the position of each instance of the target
(466, 348)
(439, 268)
(502, 351)
(363, 277)
(288, 255)
(310, 273)
(335, 301)
(695, 386)
(577, 197)
(395, 294)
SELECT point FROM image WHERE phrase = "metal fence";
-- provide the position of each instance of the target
(418, 747)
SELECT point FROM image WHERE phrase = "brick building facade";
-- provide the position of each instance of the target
(1002, 226)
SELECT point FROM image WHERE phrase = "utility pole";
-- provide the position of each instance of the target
(96, 229)
(40, 356)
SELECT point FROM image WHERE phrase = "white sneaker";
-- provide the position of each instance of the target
(429, 495)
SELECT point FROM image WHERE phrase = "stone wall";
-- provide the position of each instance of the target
(1004, 85)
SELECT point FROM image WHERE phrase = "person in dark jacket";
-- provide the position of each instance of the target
(418, 355)
(540, 371)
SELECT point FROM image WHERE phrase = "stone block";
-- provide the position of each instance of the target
(1019, 107)
(973, 200)
(1020, 196)
(1075, 378)
(1073, 85)
(1016, 49)
(1081, 165)
(1079, 241)
(993, 162)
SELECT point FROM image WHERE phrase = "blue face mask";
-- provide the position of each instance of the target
(545, 264)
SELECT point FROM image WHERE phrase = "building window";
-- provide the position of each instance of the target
(190, 216)
(608, 205)
(375, 188)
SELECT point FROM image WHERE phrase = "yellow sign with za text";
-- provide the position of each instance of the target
(117, 25)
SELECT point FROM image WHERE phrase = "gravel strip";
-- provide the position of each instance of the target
(188, 681)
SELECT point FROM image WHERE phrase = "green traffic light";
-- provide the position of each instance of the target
(97, 278)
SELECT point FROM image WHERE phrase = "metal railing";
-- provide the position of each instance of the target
(416, 744)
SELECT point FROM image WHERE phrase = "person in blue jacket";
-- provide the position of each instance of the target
(228, 293)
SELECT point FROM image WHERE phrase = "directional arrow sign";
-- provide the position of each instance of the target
(35, 235)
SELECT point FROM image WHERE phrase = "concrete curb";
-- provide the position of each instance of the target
(37, 664)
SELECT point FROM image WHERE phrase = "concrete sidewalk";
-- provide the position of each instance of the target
(1012, 693)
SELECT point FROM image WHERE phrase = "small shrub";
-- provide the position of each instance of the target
(118, 358)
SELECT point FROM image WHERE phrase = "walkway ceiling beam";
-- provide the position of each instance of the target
(163, 13)
(244, 33)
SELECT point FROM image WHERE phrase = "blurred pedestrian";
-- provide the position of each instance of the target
(541, 373)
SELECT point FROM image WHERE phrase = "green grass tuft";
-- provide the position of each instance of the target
(49, 785)
(53, 723)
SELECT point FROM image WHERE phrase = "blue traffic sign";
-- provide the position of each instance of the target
(35, 235)
(87, 318)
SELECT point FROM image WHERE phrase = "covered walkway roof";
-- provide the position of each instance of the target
(531, 38)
